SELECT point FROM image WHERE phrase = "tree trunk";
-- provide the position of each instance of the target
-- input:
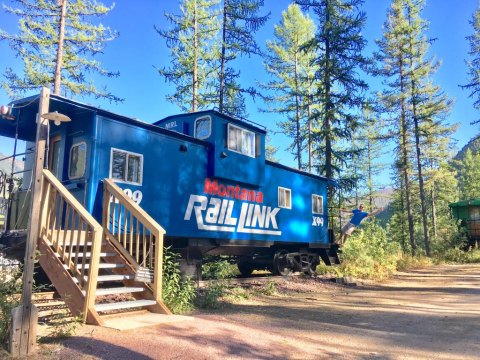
(402, 218)
(418, 152)
(61, 39)
(297, 115)
(195, 60)
(310, 141)
(434, 206)
(370, 180)
(404, 162)
(328, 103)
(421, 183)
(222, 58)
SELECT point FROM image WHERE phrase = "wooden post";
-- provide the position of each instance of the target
(24, 317)
(91, 287)
(158, 267)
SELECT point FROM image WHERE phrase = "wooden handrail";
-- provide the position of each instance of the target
(89, 219)
(132, 206)
(140, 235)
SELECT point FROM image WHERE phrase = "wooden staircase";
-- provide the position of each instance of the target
(100, 269)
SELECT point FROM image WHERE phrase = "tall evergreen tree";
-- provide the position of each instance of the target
(57, 42)
(239, 22)
(474, 64)
(427, 102)
(393, 58)
(290, 66)
(193, 53)
(338, 44)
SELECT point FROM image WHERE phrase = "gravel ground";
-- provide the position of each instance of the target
(431, 313)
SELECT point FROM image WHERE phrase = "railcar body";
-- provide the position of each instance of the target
(203, 176)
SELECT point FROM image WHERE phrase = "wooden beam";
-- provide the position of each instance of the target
(24, 320)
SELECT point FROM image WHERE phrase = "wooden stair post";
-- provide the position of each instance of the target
(24, 317)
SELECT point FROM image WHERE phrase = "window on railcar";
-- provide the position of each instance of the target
(317, 204)
(284, 198)
(77, 161)
(126, 166)
(203, 127)
(54, 156)
(241, 141)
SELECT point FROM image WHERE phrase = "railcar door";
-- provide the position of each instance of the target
(68, 162)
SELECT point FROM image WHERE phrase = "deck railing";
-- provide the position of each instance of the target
(73, 233)
(135, 234)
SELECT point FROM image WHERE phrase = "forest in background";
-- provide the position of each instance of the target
(338, 127)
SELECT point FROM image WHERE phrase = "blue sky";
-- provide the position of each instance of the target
(139, 50)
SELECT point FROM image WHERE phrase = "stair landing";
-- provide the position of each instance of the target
(139, 319)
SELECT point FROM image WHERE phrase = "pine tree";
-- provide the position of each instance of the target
(427, 102)
(474, 64)
(290, 66)
(338, 44)
(193, 53)
(57, 44)
(468, 176)
(393, 57)
(239, 22)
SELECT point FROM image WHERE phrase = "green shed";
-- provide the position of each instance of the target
(468, 212)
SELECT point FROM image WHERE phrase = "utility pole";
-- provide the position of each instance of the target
(25, 317)
(61, 39)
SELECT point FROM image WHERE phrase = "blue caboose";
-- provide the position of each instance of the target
(203, 176)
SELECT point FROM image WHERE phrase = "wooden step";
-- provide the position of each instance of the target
(49, 303)
(115, 277)
(124, 305)
(101, 278)
(89, 254)
(103, 266)
(67, 244)
(117, 290)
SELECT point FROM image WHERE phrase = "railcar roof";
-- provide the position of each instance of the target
(243, 122)
(465, 203)
(99, 111)
(318, 177)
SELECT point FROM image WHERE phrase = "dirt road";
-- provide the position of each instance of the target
(432, 313)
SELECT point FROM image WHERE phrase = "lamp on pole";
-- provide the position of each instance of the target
(25, 317)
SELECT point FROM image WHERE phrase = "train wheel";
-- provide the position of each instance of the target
(245, 268)
(280, 263)
(312, 268)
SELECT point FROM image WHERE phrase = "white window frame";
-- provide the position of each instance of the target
(290, 192)
(126, 169)
(313, 203)
(242, 130)
(209, 127)
(70, 163)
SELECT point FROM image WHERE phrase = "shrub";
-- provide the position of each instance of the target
(218, 268)
(456, 255)
(210, 296)
(10, 288)
(368, 254)
(407, 262)
(178, 293)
